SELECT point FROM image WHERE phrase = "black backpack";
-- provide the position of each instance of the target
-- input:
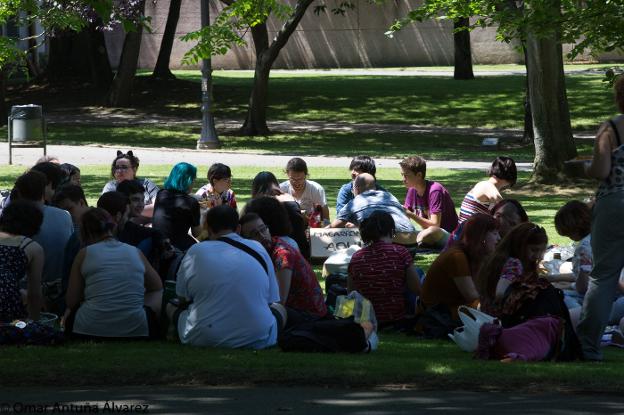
(326, 335)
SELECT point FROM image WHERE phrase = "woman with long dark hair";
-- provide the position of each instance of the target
(450, 281)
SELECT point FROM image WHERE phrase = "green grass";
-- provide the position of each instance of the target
(490, 102)
(400, 359)
(486, 102)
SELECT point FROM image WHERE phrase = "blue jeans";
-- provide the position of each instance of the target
(608, 247)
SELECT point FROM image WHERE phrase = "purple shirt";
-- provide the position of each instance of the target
(436, 199)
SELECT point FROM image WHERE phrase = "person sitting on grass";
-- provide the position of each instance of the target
(427, 203)
(113, 291)
(218, 190)
(225, 286)
(72, 174)
(20, 256)
(72, 199)
(368, 200)
(508, 213)
(573, 220)
(450, 281)
(124, 167)
(359, 165)
(298, 286)
(175, 210)
(264, 207)
(487, 193)
(384, 272)
(265, 184)
(53, 234)
(307, 193)
(515, 260)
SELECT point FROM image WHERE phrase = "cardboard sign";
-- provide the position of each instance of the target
(326, 241)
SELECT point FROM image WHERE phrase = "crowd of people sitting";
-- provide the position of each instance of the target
(242, 278)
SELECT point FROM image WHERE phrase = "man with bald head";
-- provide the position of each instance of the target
(369, 199)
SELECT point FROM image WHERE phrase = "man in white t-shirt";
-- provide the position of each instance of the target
(307, 193)
(229, 284)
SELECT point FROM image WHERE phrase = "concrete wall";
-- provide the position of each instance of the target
(329, 41)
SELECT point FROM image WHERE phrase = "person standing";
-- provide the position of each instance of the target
(607, 229)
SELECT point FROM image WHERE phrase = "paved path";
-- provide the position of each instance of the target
(84, 155)
(302, 400)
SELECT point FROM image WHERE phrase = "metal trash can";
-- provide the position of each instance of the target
(26, 123)
(26, 128)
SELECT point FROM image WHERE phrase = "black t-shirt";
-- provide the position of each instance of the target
(175, 213)
(299, 225)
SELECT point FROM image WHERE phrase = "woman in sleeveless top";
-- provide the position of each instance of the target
(113, 291)
(19, 256)
(483, 195)
(607, 231)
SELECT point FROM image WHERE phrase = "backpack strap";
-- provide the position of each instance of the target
(617, 133)
(25, 242)
(247, 249)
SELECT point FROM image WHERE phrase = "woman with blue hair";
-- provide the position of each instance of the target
(175, 210)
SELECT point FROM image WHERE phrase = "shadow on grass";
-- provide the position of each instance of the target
(432, 146)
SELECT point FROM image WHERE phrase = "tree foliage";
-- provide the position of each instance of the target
(56, 16)
(591, 25)
(229, 27)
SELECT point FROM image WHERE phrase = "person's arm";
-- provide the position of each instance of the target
(600, 165)
(337, 223)
(325, 212)
(412, 279)
(284, 278)
(435, 219)
(466, 287)
(75, 288)
(34, 297)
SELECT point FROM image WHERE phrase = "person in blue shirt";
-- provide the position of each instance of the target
(359, 165)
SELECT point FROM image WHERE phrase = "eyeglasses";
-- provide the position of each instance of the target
(257, 232)
(121, 168)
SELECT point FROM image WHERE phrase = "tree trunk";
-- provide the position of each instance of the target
(100, 69)
(255, 123)
(161, 70)
(120, 93)
(527, 135)
(549, 107)
(463, 55)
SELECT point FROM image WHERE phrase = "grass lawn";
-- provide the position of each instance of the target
(400, 359)
(487, 102)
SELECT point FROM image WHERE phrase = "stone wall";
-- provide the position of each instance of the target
(354, 40)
